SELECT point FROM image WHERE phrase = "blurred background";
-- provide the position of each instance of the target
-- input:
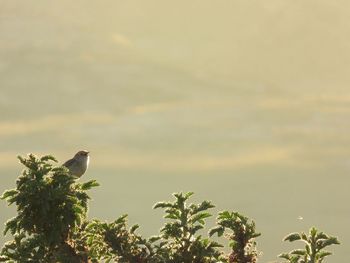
(246, 103)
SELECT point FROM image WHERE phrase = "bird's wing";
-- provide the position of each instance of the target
(68, 163)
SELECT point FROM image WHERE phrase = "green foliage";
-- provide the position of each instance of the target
(114, 242)
(51, 226)
(314, 251)
(180, 239)
(242, 236)
(50, 205)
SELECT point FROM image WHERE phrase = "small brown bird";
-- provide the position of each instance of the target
(78, 165)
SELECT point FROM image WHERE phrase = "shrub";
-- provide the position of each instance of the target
(51, 205)
(52, 226)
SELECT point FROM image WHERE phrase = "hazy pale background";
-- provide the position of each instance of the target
(247, 103)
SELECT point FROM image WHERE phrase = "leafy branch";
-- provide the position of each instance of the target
(314, 251)
(180, 236)
(242, 236)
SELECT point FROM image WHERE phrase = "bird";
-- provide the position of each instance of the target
(78, 165)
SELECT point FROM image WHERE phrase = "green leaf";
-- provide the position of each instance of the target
(189, 194)
(284, 256)
(330, 241)
(219, 230)
(255, 235)
(214, 244)
(292, 237)
(154, 239)
(134, 228)
(225, 215)
(313, 232)
(199, 217)
(162, 205)
(300, 252)
(121, 219)
(11, 225)
(88, 185)
(172, 216)
(304, 236)
(78, 209)
(321, 235)
(323, 254)
(21, 159)
(48, 158)
(205, 205)
(9, 193)
(308, 249)
(196, 228)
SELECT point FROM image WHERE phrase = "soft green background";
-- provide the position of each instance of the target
(247, 103)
